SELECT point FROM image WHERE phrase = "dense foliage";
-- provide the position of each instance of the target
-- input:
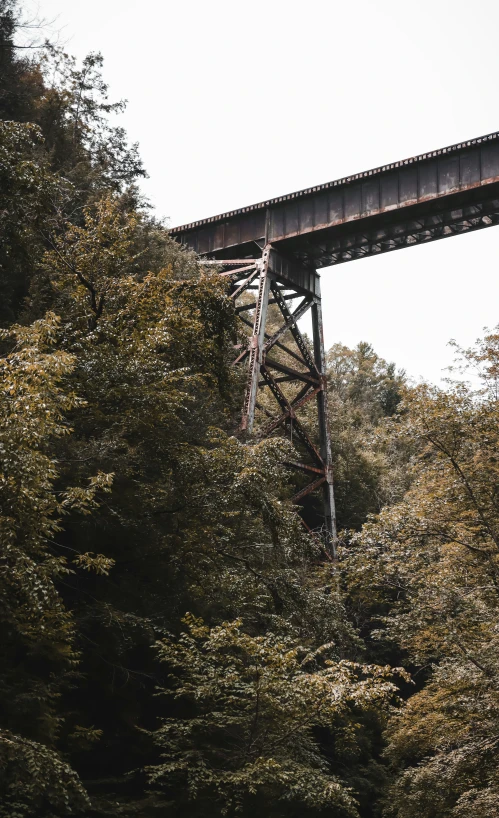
(427, 568)
(172, 642)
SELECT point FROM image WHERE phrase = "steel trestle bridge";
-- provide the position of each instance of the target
(272, 249)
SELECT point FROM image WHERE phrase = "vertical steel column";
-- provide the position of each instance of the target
(256, 344)
(324, 435)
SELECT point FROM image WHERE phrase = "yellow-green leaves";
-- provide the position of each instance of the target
(92, 259)
(35, 780)
(35, 400)
(430, 565)
(253, 706)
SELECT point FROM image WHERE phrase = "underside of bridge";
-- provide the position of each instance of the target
(274, 248)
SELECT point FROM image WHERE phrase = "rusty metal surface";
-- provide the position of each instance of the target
(281, 280)
(422, 198)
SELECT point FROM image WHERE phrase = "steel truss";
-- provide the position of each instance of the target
(274, 279)
(428, 226)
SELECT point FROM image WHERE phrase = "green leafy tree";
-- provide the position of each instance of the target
(28, 192)
(73, 114)
(21, 83)
(37, 642)
(252, 705)
(363, 392)
(431, 563)
(58, 152)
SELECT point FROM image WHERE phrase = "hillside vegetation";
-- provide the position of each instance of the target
(172, 641)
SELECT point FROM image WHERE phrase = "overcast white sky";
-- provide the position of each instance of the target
(234, 102)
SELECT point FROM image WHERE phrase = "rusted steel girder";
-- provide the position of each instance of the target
(434, 195)
(277, 281)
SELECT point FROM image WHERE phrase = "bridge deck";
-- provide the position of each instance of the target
(431, 196)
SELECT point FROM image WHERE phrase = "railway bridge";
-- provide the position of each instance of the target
(270, 253)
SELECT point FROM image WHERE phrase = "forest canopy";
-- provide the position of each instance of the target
(173, 641)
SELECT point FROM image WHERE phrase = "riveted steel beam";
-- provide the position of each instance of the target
(434, 195)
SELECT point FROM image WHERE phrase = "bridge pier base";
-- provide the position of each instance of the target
(286, 371)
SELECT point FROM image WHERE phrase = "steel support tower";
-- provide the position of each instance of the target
(292, 374)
